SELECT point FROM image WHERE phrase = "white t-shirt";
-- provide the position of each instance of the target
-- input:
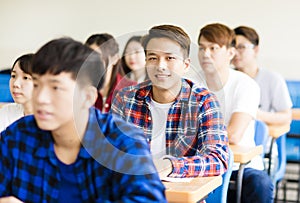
(242, 94)
(9, 114)
(159, 114)
(274, 91)
(274, 97)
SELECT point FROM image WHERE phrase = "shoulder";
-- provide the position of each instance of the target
(242, 80)
(116, 129)
(12, 108)
(24, 133)
(270, 75)
(196, 90)
(140, 89)
(198, 95)
(22, 128)
(123, 81)
(120, 141)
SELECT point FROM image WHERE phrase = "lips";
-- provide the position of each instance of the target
(162, 76)
(17, 94)
(43, 115)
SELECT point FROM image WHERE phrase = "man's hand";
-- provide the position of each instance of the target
(163, 166)
(10, 199)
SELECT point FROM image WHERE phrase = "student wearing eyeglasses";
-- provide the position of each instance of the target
(275, 102)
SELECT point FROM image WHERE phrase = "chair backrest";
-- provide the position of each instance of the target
(261, 134)
(293, 87)
(281, 146)
(5, 95)
(219, 195)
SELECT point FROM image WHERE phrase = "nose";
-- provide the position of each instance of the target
(41, 95)
(162, 65)
(17, 82)
(206, 52)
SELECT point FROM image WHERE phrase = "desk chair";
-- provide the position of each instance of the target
(293, 141)
(5, 95)
(219, 195)
(280, 171)
(261, 135)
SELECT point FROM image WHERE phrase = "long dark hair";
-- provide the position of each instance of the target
(108, 47)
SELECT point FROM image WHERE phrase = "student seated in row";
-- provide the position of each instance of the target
(115, 78)
(275, 105)
(181, 120)
(239, 97)
(20, 86)
(133, 60)
(68, 151)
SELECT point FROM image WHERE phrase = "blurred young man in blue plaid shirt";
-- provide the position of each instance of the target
(68, 151)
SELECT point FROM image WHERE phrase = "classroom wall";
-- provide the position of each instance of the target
(27, 24)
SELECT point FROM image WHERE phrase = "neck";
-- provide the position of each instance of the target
(250, 70)
(67, 140)
(138, 74)
(165, 95)
(28, 108)
(217, 79)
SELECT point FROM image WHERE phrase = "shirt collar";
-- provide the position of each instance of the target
(46, 148)
(144, 91)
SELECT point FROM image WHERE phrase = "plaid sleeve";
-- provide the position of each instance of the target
(211, 157)
(5, 166)
(117, 105)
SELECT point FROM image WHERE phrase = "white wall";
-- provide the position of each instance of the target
(27, 24)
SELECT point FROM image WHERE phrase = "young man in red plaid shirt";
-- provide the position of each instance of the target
(181, 120)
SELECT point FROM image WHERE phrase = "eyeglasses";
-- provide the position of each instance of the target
(242, 47)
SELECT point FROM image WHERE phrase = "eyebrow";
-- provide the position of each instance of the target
(154, 54)
(50, 81)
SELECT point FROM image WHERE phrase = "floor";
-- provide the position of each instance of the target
(292, 172)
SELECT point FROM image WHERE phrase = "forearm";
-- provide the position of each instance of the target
(275, 118)
(210, 161)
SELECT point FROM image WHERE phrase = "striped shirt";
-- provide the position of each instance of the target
(196, 136)
(113, 164)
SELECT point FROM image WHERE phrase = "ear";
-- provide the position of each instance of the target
(90, 96)
(231, 52)
(256, 50)
(187, 63)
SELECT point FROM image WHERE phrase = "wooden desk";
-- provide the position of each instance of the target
(276, 131)
(243, 155)
(296, 114)
(192, 191)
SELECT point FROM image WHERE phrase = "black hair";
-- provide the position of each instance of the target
(25, 62)
(68, 55)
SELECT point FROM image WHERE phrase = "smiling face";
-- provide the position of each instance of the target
(165, 64)
(20, 85)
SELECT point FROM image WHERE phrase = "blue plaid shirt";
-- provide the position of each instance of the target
(196, 135)
(113, 165)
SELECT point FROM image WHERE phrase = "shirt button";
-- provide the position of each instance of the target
(106, 105)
